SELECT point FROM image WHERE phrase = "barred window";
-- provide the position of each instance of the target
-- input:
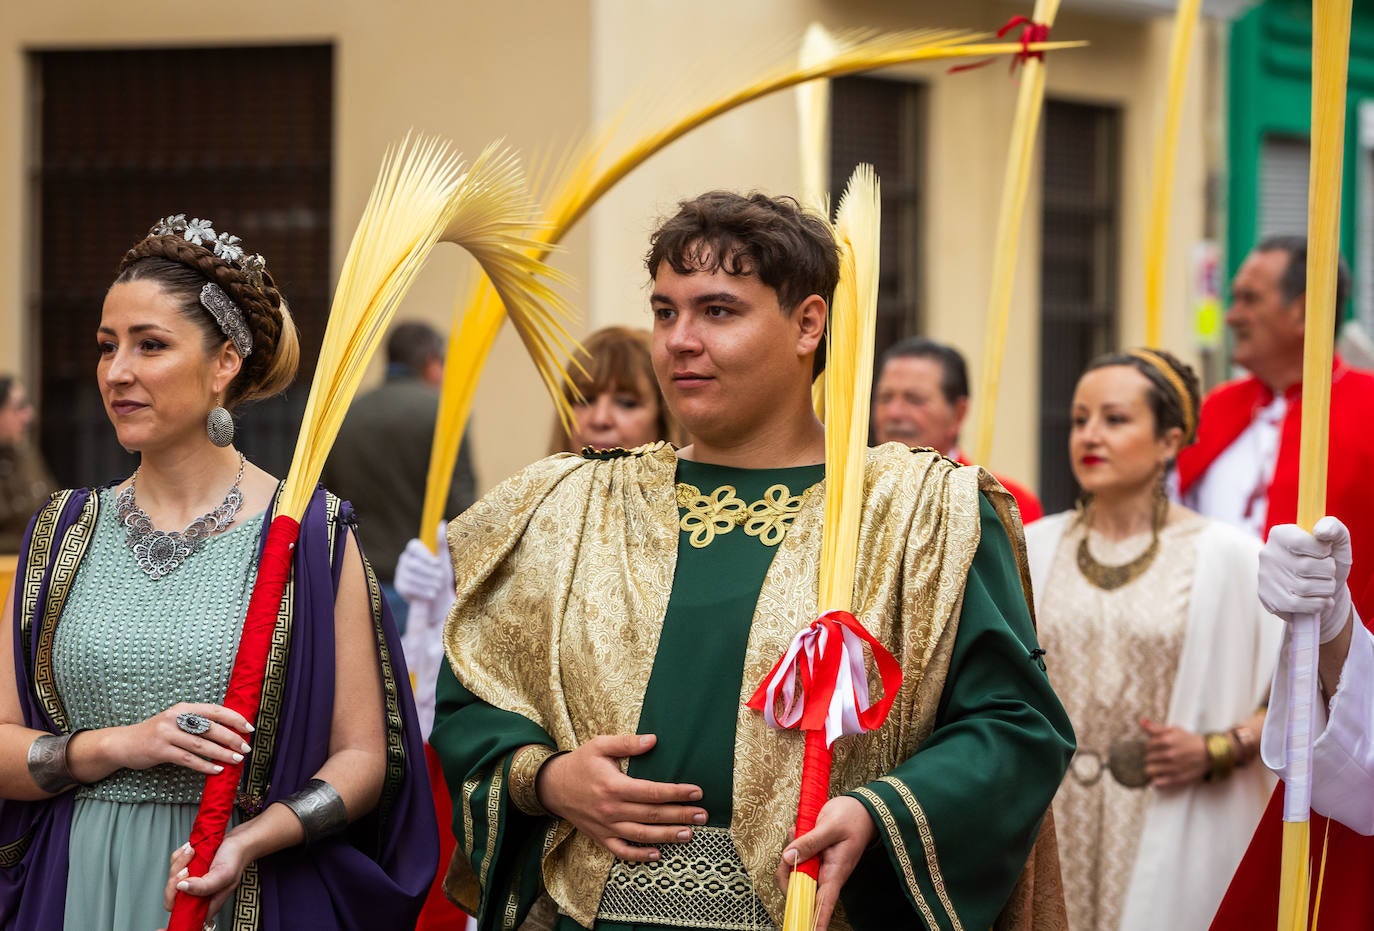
(1079, 299)
(881, 122)
(243, 136)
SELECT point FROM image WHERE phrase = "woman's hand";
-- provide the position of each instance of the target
(218, 883)
(842, 833)
(159, 740)
(1174, 757)
(587, 788)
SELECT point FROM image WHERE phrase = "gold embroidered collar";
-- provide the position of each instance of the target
(706, 516)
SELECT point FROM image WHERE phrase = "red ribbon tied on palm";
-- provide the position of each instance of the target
(1031, 32)
(827, 661)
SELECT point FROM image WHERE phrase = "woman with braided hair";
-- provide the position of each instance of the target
(117, 641)
(1161, 655)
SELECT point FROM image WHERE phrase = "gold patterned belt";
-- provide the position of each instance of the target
(1125, 761)
(699, 884)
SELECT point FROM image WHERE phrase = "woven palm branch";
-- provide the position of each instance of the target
(411, 204)
(852, 330)
(581, 184)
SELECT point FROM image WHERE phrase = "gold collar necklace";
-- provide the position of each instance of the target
(1109, 578)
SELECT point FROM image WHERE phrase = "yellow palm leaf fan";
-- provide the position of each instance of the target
(421, 190)
(1330, 65)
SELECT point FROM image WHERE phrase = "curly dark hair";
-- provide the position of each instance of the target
(182, 268)
(791, 250)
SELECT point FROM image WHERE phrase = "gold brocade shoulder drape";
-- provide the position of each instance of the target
(563, 578)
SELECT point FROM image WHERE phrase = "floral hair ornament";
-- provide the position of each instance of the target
(225, 245)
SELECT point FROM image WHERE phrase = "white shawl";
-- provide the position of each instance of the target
(1194, 837)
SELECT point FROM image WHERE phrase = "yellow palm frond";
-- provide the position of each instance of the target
(848, 382)
(496, 229)
(1015, 183)
(850, 330)
(1330, 68)
(1166, 145)
(469, 343)
(582, 183)
(411, 203)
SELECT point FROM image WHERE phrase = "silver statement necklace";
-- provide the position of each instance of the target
(159, 552)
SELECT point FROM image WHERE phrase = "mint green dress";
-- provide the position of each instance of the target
(126, 648)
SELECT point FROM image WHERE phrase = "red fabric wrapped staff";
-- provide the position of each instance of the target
(422, 194)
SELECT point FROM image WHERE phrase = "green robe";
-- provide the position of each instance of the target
(984, 776)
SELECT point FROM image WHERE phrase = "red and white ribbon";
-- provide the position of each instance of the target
(822, 683)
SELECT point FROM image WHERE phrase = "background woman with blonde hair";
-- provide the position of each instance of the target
(621, 403)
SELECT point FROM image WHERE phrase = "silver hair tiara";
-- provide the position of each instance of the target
(212, 297)
(225, 245)
(228, 316)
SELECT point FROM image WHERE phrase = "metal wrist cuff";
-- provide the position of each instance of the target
(48, 766)
(524, 771)
(320, 809)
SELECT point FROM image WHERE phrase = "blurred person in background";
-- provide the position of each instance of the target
(616, 399)
(1243, 469)
(1162, 655)
(616, 403)
(381, 458)
(922, 398)
(24, 478)
(115, 661)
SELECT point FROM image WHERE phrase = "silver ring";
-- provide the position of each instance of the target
(193, 724)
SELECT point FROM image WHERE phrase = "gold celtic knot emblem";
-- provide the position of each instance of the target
(706, 516)
(770, 516)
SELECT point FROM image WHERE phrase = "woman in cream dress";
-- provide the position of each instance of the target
(1161, 653)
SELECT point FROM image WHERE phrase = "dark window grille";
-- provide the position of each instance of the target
(880, 122)
(241, 135)
(1080, 242)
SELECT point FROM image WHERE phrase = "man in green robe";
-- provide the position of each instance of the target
(616, 610)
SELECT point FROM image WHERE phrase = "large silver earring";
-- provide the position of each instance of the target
(219, 426)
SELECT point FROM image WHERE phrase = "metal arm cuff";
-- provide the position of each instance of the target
(320, 809)
(48, 765)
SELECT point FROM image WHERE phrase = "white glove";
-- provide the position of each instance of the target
(1303, 573)
(420, 574)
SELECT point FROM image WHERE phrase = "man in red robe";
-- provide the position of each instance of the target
(921, 399)
(1244, 470)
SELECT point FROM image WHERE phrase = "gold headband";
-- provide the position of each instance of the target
(1185, 401)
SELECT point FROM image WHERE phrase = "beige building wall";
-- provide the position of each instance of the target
(474, 72)
(541, 72)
